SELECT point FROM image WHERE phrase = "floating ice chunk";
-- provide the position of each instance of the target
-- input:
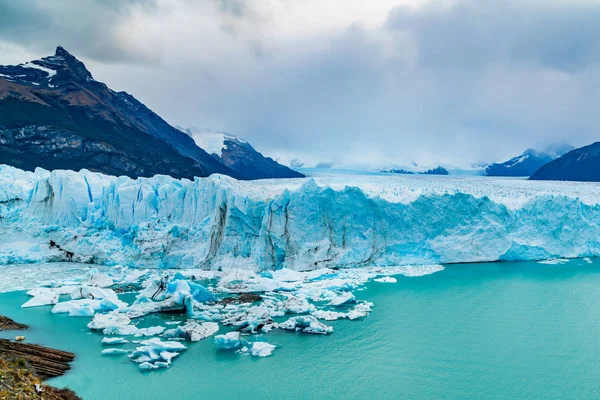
(193, 331)
(287, 275)
(554, 261)
(98, 279)
(261, 349)
(114, 340)
(329, 315)
(145, 307)
(360, 310)
(168, 355)
(344, 298)
(148, 366)
(253, 318)
(120, 330)
(154, 353)
(113, 351)
(245, 281)
(229, 341)
(156, 343)
(306, 324)
(43, 297)
(104, 321)
(82, 310)
(297, 305)
(386, 279)
(151, 331)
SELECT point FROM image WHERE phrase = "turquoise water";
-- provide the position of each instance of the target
(493, 331)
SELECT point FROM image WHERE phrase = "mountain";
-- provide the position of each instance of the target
(436, 171)
(528, 162)
(581, 164)
(432, 171)
(239, 155)
(55, 115)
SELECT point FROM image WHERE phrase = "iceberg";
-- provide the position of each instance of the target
(261, 349)
(114, 340)
(114, 351)
(219, 223)
(192, 331)
(306, 324)
(154, 353)
(229, 341)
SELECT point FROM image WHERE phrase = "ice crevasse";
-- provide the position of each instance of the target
(219, 222)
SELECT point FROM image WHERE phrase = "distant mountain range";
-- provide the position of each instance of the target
(239, 155)
(433, 171)
(582, 164)
(527, 163)
(55, 115)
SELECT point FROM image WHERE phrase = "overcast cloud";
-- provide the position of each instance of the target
(340, 80)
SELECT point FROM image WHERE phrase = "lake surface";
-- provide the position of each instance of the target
(495, 331)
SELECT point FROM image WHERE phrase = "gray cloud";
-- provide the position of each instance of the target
(87, 27)
(456, 82)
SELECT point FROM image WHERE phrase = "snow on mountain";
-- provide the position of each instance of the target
(219, 222)
(239, 155)
(213, 141)
(528, 162)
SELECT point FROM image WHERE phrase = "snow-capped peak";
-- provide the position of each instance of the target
(210, 140)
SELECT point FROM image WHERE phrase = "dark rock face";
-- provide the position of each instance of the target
(7, 324)
(436, 171)
(581, 165)
(250, 164)
(53, 114)
(239, 155)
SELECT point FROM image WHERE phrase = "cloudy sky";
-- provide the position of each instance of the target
(349, 81)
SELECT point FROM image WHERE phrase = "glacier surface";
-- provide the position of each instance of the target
(218, 223)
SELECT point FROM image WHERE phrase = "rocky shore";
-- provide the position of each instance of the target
(24, 366)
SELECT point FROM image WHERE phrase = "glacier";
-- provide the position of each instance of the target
(219, 223)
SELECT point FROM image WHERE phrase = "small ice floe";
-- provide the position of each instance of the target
(360, 310)
(306, 324)
(114, 340)
(229, 341)
(113, 351)
(154, 353)
(587, 260)
(261, 349)
(297, 305)
(344, 298)
(151, 331)
(193, 331)
(41, 297)
(101, 322)
(554, 261)
(386, 279)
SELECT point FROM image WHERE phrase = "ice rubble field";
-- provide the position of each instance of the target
(300, 224)
(288, 300)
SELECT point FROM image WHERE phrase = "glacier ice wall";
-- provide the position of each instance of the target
(218, 222)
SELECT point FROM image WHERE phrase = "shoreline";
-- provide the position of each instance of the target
(24, 367)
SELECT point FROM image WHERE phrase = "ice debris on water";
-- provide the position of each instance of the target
(114, 340)
(248, 302)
